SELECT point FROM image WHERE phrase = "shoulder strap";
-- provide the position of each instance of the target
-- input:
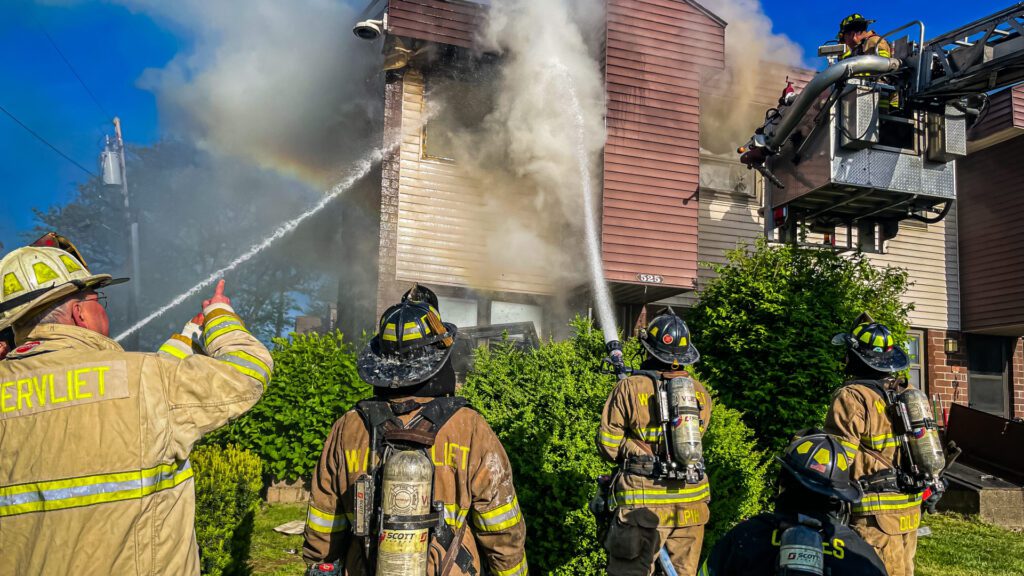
(423, 428)
(376, 413)
(875, 385)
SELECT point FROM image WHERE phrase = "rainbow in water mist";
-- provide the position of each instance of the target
(359, 171)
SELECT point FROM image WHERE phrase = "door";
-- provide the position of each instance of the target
(987, 369)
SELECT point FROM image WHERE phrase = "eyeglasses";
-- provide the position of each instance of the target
(100, 297)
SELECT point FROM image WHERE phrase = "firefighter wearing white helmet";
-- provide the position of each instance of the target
(96, 440)
(651, 427)
(413, 481)
(888, 431)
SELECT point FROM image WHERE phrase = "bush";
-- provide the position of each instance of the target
(545, 405)
(764, 326)
(228, 483)
(314, 383)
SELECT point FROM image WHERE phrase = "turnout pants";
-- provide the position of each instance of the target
(894, 546)
(637, 535)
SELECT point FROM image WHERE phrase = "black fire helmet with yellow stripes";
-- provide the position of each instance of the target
(411, 345)
(874, 345)
(854, 23)
(819, 462)
(667, 338)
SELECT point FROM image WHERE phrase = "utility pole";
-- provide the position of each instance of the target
(133, 240)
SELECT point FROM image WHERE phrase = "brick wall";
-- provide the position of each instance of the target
(1017, 378)
(946, 373)
(387, 289)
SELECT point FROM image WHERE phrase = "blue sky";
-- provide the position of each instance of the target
(111, 47)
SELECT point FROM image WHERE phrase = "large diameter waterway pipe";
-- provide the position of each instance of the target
(827, 77)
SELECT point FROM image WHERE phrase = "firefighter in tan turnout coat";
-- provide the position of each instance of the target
(94, 441)
(461, 516)
(889, 514)
(652, 510)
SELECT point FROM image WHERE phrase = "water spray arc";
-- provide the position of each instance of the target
(359, 171)
(602, 297)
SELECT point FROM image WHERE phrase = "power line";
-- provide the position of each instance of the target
(45, 141)
(73, 71)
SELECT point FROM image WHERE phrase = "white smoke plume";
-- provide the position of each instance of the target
(524, 150)
(733, 101)
(283, 84)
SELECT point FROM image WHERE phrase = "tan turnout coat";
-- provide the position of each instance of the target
(472, 477)
(94, 445)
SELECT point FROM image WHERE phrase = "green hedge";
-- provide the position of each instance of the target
(764, 325)
(545, 405)
(228, 483)
(314, 383)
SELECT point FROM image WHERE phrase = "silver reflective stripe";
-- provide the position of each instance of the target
(231, 358)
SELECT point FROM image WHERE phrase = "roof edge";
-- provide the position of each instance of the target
(718, 19)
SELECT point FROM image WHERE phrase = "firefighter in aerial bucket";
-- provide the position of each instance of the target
(413, 482)
(860, 41)
(890, 433)
(807, 533)
(651, 428)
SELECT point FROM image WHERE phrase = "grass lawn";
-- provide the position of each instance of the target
(273, 554)
(958, 546)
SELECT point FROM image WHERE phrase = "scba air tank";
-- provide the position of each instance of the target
(923, 440)
(406, 491)
(800, 552)
(685, 414)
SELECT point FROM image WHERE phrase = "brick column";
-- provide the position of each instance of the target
(386, 285)
(1017, 380)
(945, 370)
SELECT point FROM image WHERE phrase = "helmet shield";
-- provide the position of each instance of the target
(820, 463)
(667, 338)
(410, 347)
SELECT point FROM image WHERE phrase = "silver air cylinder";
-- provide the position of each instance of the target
(923, 440)
(406, 491)
(800, 552)
(685, 412)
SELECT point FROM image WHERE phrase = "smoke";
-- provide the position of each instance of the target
(733, 101)
(523, 150)
(285, 85)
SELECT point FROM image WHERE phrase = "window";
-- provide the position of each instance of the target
(457, 106)
(916, 351)
(987, 359)
(459, 311)
(511, 312)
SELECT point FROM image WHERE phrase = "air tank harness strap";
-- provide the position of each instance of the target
(882, 481)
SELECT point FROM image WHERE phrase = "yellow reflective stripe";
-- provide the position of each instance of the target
(320, 521)
(519, 568)
(660, 496)
(652, 434)
(454, 515)
(90, 490)
(500, 518)
(880, 441)
(174, 348)
(221, 319)
(254, 374)
(611, 440)
(879, 502)
(249, 357)
(247, 364)
(211, 336)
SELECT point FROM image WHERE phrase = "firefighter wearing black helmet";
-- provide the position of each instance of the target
(861, 417)
(654, 515)
(807, 533)
(413, 481)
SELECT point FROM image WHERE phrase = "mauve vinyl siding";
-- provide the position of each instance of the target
(453, 23)
(991, 202)
(656, 53)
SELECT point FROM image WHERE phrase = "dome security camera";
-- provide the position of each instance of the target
(368, 29)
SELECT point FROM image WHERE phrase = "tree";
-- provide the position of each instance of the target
(196, 213)
(764, 325)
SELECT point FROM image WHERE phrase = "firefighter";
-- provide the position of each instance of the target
(815, 494)
(859, 41)
(96, 477)
(417, 439)
(890, 513)
(653, 510)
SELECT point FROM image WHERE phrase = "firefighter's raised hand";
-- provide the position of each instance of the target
(218, 296)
